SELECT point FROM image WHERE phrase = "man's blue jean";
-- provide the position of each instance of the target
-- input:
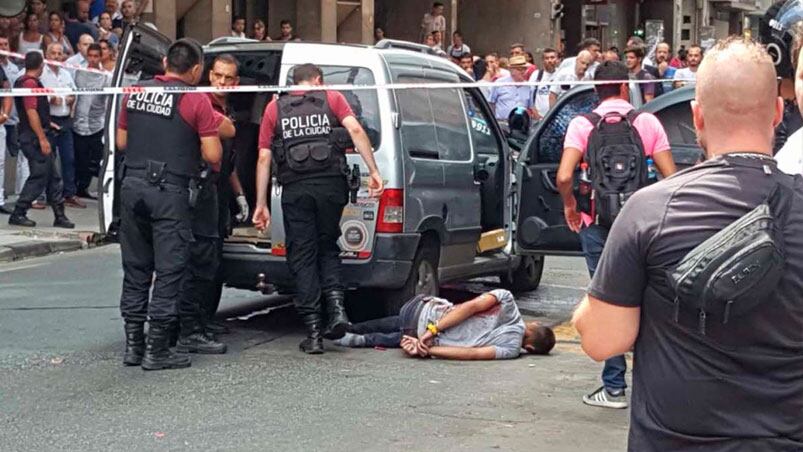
(384, 332)
(593, 240)
(64, 142)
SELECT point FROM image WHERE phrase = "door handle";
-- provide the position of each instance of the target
(548, 178)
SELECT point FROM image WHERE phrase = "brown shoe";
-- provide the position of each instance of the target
(73, 201)
(38, 205)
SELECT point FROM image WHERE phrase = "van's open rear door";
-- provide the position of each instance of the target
(140, 56)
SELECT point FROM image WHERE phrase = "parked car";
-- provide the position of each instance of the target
(447, 165)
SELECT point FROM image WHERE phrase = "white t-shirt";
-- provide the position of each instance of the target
(565, 75)
(50, 79)
(790, 157)
(541, 93)
(457, 52)
(685, 74)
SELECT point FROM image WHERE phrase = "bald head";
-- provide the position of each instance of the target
(733, 105)
(581, 63)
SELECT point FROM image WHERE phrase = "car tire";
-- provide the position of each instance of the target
(423, 278)
(527, 276)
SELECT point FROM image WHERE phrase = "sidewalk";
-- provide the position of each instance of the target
(20, 243)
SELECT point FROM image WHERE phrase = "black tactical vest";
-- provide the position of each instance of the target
(42, 107)
(302, 147)
(157, 132)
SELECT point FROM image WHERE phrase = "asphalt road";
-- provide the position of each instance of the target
(62, 385)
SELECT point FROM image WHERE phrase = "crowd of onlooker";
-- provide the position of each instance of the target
(87, 46)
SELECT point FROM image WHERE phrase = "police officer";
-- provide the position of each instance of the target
(224, 72)
(776, 29)
(209, 226)
(36, 134)
(166, 136)
(297, 131)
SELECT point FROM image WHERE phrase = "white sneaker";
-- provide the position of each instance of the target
(606, 399)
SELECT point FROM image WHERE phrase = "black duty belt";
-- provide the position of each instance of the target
(169, 178)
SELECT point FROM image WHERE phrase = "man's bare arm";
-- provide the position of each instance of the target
(463, 353)
(226, 128)
(121, 139)
(606, 329)
(466, 310)
(361, 142)
(665, 163)
(263, 176)
(211, 150)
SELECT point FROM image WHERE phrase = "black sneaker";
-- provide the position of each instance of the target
(606, 399)
(200, 343)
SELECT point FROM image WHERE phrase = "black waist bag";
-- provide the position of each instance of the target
(737, 268)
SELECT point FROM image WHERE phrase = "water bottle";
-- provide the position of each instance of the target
(585, 180)
(652, 174)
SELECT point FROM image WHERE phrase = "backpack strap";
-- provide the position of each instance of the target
(593, 118)
(540, 76)
(632, 115)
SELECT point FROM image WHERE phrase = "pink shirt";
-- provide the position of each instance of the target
(652, 133)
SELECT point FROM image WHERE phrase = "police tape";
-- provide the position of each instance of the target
(19, 92)
(65, 65)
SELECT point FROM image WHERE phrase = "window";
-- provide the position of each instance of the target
(677, 122)
(482, 133)
(553, 132)
(451, 129)
(364, 103)
(433, 123)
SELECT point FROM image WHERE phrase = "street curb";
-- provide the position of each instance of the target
(37, 248)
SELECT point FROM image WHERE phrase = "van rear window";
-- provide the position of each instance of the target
(364, 103)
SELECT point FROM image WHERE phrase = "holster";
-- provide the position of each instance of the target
(155, 172)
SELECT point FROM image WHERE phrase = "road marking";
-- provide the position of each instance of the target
(559, 286)
(20, 267)
(263, 311)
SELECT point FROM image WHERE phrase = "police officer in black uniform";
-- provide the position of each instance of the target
(168, 137)
(776, 29)
(201, 294)
(300, 131)
(35, 134)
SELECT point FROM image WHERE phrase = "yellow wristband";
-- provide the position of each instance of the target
(432, 328)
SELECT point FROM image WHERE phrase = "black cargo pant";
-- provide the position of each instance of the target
(312, 209)
(199, 290)
(88, 153)
(45, 174)
(155, 237)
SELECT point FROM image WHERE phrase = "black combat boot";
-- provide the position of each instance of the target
(336, 310)
(61, 220)
(158, 355)
(134, 343)
(313, 344)
(193, 339)
(19, 218)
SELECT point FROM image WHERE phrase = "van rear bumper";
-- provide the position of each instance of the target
(388, 267)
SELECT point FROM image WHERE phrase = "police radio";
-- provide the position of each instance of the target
(354, 183)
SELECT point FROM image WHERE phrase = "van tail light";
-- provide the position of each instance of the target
(391, 211)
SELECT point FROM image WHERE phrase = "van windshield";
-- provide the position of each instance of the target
(364, 103)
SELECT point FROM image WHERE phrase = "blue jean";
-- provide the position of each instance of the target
(593, 240)
(64, 142)
(384, 332)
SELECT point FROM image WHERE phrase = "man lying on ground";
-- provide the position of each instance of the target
(487, 327)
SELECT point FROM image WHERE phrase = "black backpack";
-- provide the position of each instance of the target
(616, 162)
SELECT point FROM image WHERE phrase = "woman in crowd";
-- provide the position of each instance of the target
(56, 34)
(106, 29)
(108, 55)
(259, 31)
(29, 38)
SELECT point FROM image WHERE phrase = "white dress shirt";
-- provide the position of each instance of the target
(61, 79)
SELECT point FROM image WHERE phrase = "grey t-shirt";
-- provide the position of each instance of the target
(739, 386)
(501, 326)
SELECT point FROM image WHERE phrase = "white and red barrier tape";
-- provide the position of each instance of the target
(74, 67)
(16, 92)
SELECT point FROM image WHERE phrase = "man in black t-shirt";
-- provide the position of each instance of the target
(738, 386)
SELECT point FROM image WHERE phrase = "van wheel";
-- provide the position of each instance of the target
(527, 276)
(423, 278)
